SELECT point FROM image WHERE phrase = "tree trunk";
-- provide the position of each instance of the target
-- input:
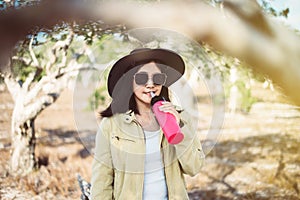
(23, 148)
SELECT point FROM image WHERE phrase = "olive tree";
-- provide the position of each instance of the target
(39, 70)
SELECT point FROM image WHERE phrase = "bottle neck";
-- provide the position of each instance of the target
(156, 99)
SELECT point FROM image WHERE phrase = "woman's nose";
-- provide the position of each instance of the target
(150, 83)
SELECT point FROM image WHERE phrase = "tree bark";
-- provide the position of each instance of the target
(23, 138)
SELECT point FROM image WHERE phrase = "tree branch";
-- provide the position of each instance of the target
(62, 46)
(36, 89)
(33, 109)
(28, 81)
(249, 12)
(26, 61)
(12, 85)
(35, 63)
(32, 54)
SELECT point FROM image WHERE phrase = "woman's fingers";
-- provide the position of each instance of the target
(170, 108)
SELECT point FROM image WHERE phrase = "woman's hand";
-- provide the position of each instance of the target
(170, 108)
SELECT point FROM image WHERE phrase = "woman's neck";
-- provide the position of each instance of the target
(147, 119)
(144, 108)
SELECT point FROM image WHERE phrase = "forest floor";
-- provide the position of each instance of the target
(256, 155)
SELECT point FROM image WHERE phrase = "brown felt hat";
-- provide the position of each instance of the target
(142, 56)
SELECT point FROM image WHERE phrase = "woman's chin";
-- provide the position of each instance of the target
(147, 100)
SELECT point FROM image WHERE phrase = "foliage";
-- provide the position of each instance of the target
(45, 39)
(16, 3)
(235, 76)
(266, 5)
(108, 49)
(97, 98)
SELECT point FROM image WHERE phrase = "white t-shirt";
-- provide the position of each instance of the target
(155, 186)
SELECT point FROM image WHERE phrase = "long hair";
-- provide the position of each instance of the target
(123, 98)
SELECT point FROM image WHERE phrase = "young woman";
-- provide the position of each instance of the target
(133, 159)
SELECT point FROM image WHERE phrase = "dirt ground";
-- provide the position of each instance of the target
(256, 156)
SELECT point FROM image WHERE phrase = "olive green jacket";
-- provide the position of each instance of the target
(118, 165)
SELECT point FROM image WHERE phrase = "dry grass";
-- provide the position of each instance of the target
(256, 158)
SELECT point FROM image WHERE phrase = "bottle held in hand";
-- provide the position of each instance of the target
(167, 121)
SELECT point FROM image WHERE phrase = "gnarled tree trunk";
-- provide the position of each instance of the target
(23, 158)
(23, 137)
(31, 96)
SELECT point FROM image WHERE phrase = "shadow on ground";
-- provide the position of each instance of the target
(256, 167)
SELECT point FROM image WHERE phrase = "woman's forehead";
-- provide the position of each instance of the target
(150, 67)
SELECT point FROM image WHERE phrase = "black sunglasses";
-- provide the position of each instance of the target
(142, 78)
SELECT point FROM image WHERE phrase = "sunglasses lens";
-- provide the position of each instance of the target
(141, 78)
(159, 79)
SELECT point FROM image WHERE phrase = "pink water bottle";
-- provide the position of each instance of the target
(167, 121)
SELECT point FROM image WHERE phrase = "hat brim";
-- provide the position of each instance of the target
(161, 56)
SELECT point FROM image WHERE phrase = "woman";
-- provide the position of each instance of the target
(133, 159)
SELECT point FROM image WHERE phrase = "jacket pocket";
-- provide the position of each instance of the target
(128, 153)
(120, 139)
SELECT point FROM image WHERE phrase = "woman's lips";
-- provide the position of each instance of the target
(149, 93)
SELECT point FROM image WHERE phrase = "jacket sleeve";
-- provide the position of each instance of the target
(102, 170)
(189, 151)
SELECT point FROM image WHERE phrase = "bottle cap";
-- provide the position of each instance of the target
(156, 98)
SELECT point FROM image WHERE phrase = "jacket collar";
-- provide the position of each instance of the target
(128, 117)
